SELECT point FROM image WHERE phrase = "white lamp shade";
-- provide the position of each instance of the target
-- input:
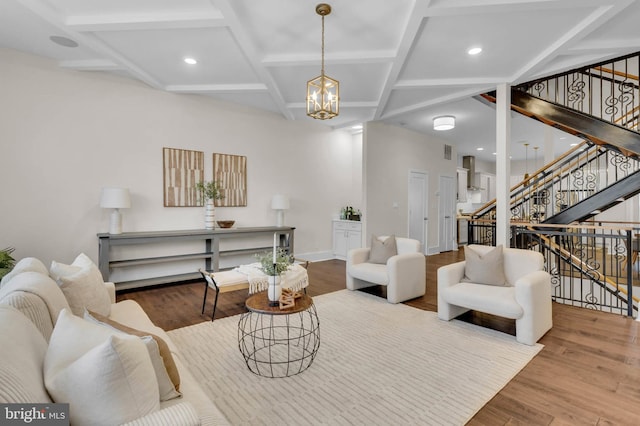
(445, 122)
(115, 198)
(280, 202)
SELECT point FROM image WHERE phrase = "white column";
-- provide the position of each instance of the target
(503, 163)
(548, 145)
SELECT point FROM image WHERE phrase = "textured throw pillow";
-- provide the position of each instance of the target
(105, 378)
(484, 269)
(161, 358)
(27, 264)
(381, 251)
(82, 285)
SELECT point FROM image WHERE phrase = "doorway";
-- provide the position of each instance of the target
(418, 207)
(446, 214)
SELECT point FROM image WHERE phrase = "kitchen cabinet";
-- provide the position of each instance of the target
(347, 235)
(462, 185)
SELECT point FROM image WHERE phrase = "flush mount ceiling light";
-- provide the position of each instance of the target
(444, 122)
(323, 92)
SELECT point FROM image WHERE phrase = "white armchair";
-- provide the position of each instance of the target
(525, 298)
(404, 274)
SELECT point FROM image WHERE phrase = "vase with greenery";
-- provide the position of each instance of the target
(274, 268)
(6, 261)
(209, 192)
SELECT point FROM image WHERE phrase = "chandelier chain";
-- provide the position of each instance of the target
(322, 69)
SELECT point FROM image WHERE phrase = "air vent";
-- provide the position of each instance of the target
(447, 152)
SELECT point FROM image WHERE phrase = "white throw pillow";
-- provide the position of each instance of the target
(163, 364)
(105, 378)
(27, 264)
(82, 285)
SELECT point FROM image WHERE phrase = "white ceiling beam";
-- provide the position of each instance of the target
(435, 101)
(158, 20)
(349, 58)
(409, 35)
(216, 88)
(251, 53)
(45, 12)
(590, 23)
(448, 82)
(90, 65)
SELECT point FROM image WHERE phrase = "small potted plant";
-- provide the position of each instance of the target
(209, 191)
(6, 261)
(273, 265)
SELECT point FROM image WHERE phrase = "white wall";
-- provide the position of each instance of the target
(390, 153)
(65, 134)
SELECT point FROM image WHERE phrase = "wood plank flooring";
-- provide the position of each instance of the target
(587, 374)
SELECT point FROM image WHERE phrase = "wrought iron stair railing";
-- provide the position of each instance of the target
(569, 180)
(609, 91)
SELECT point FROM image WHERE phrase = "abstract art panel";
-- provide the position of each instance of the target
(230, 171)
(183, 169)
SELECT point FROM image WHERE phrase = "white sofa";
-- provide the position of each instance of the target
(404, 274)
(526, 297)
(30, 305)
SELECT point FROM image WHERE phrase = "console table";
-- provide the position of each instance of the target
(210, 254)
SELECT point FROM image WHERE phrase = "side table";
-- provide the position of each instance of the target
(278, 342)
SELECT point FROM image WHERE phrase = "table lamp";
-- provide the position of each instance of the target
(116, 199)
(280, 203)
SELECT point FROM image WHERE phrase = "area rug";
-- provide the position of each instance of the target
(378, 364)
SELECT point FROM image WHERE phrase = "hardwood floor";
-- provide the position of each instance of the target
(587, 374)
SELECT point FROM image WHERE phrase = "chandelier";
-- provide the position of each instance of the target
(323, 92)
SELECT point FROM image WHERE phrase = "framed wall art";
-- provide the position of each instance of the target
(183, 169)
(230, 171)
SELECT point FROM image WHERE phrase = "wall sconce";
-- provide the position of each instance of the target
(280, 203)
(444, 122)
(115, 198)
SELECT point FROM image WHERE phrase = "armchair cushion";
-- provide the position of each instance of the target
(487, 268)
(382, 249)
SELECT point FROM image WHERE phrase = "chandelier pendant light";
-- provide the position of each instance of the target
(323, 92)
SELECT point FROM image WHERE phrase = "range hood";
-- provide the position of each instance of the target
(469, 163)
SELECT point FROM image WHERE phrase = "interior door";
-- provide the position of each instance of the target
(418, 207)
(446, 213)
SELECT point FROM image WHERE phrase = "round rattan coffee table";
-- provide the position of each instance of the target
(278, 342)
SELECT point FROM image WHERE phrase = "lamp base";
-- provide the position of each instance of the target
(115, 223)
(280, 218)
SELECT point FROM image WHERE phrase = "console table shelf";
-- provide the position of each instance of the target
(211, 254)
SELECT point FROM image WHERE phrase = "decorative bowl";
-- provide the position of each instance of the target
(225, 223)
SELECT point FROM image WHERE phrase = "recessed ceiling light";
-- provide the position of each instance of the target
(63, 41)
(573, 144)
(190, 61)
(495, 153)
(474, 50)
(480, 149)
(357, 127)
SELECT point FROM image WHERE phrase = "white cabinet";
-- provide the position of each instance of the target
(347, 235)
(488, 186)
(462, 185)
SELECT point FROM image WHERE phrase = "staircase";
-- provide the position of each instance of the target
(600, 104)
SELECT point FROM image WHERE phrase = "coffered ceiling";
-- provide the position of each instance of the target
(401, 61)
